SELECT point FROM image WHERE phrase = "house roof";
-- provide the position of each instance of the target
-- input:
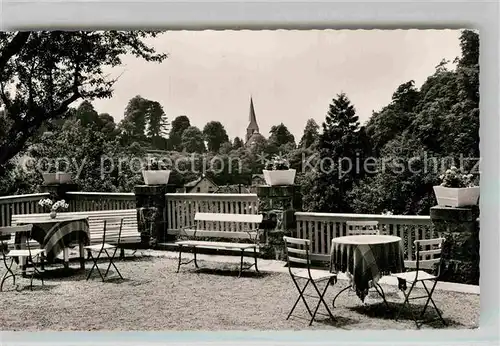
(232, 189)
(195, 182)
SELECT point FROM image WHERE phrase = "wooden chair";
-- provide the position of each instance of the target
(427, 268)
(25, 257)
(362, 228)
(297, 251)
(112, 228)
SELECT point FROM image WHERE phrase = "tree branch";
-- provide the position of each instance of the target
(13, 47)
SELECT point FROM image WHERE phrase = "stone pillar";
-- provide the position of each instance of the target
(151, 204)
(460, 228)
(278, 205)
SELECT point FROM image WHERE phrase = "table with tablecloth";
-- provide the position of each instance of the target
(366, 258)
(56, 235)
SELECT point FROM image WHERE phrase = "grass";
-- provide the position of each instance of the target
(154, 297)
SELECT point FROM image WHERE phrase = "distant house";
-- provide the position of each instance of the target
(258, 179)
(201, 185)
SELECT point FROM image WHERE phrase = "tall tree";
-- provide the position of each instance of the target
(311, 134)
(134, 122)
(280, 135)
(192, 140)
(179, 125)
(87, 114)
(326, 187)
(157, 120)
(43, 72)
(215, 134)
(238, 143)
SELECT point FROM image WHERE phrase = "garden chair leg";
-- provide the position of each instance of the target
(429, 299)
(407, 302)
(111, 263)
(241, 262)
(195, 259)
(8, 274)
(301, 296)
(321, 300)
(95, 259)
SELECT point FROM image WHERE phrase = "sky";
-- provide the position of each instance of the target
(291, 75)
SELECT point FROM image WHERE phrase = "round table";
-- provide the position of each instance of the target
(366, 258)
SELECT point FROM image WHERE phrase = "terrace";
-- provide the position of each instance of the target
(158, 298)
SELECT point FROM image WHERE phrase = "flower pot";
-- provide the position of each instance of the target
(456, 197)
(63, 178)
(50, 178)
(279, 177)
(159, 177)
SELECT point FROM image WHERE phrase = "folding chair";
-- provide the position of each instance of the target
(427, 259)
(299, 248)
(25, 257)
(112, 229)
(362, 228)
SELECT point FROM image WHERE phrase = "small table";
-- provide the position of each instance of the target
(367, 258)
(55, 235)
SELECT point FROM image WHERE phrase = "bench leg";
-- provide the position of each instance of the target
(255, 258)
(241, 262)
(122, 253)
(195, 261)
(82, 256)
(180, 258)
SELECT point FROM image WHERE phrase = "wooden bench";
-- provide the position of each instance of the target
(129, 235)
(222, 226)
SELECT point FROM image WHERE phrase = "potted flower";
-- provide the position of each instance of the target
(53, 207)
(156, 173)
(278, 172)
(53, 175)
(456, 189)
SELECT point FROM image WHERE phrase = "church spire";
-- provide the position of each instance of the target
(252, 127)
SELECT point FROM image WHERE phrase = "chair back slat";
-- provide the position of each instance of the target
(362, 228)
(300, 250)
(428, 254)
(112, 229)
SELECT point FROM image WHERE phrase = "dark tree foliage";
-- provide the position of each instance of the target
(179, 124)
(215, 134)
(43, 72)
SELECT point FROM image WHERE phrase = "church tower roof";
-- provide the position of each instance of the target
(253, 120)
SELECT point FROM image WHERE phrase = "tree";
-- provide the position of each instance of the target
(87, 114)
(215, 134)
(157, 120)
(311, 134)
(43, 72)
(133, 125)
(192, 140)
(238, 143)
(280, 135)
(326, 187)
(179, 125)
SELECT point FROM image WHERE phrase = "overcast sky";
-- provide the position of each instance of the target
(291, 75)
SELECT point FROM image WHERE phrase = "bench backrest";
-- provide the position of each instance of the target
(96, 222)
(225, 225)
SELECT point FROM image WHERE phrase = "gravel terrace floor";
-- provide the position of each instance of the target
(154, 297)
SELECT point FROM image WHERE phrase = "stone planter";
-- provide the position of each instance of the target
(56, 178)
(279, 177)
(157, 177)
(456, 197)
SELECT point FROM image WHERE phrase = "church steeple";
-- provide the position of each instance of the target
(252, 127)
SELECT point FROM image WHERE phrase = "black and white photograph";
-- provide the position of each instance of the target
(239, 180)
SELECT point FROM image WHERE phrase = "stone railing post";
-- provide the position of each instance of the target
(59, 191)
(460, 228)
(278, 205)
(151, 204)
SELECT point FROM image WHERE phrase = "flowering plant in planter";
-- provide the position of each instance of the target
(156, 173)
(53, 207)
(278, 172)
(456, 189)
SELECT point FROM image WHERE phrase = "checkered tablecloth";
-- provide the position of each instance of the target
(366, 258)
(54, 235)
